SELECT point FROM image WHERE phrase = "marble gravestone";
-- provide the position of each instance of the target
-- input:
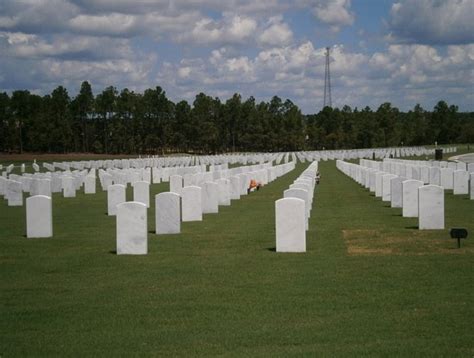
(235, 188)
(89, 184)
(290, 225)
(176, 184)
(471, 190)
(44, 187)
(410, 198)
(69, 188)
(300, 194)
(156, 175)
(460, 182)
(446, 180)
(431, 207)
(425, 174)
(244, 183)
(3, 185)
(141, 192)
(386, 186)
(224, 192)
(210, 198)
(396, 186)
(14, 193)
(379, 183)
(167, 213)
(107, 181)
(115, 196)
(39, 217)
(435, 176)
(191, 204)
(132, 232)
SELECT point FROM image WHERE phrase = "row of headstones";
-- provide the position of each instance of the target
(242, 158)
(214, 192)
(449, 175)
(416, 199)
(196, 174)
(14, 186)
(170, 161)
(45, 184)
(292, 213)
(455, 165)
(132, 235)
(379, 153)
(69, 182)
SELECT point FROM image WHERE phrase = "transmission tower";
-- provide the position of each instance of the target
(327, 82)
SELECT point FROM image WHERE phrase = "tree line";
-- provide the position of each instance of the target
(127, 122)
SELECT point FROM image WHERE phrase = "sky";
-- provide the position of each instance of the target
(404, 52)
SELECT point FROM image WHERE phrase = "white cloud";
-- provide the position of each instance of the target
(276, 33)
(402, 74)
(231, 29)
(432, 21)
(111, 24)
(85, 48)
(336, 13)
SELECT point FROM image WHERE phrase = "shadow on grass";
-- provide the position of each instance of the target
(397, 214)
(113, 252)
(415, 227)
(272, 249)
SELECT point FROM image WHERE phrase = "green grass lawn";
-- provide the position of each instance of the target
(369, 285)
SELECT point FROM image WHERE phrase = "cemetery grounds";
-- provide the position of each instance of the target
(370, 283)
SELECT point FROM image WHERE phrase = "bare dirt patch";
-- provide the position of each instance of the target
(414, 243)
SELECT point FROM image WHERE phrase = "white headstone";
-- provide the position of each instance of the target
(39, 216)
(14, 193)
(167, 213)
(132, 231)
(387, 187)
(300, 194)
(425, 174)
(69, 188)
(435, 176)
(115, 195)
(176, 184)
(89, 184)
(446, 180)
(224, 191)
(410, 198)
(210, 198)
(461, 182)
(3, 185)
(471, 181)
(396, 191)
(430, 207)
(44, 187)
(235, 187)
(141, 192)
(156, 175)
(290, 225)
(107, 180)
(191, 205)
(461, 166)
